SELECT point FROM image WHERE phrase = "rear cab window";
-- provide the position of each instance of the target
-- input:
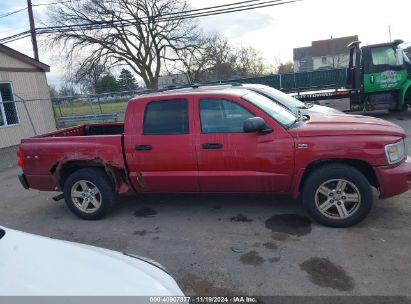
(166, 117)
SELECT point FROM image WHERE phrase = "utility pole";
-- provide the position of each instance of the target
(389, 31)
(32, 30)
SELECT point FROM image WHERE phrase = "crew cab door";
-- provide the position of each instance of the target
(160, 150)
(230, 160)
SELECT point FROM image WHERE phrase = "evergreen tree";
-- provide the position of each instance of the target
(126, 81)
(106, 84)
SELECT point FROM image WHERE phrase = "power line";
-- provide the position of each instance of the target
(13, 12)
(180, 14)
(51, 3)
(209, 11)
(34, 5)
(203, 12)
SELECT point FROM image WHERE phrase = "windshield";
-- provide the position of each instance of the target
(407, 55)
(286, 100)
(406, 51)
(276, 111)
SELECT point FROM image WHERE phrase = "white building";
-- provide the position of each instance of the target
(23, 78)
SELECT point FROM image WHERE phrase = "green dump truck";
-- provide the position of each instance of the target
(378, 77)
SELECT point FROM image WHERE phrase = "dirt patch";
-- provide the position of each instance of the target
(145, 212)
(324, 273)
(240, 218)
(270, 245)
(292, 224)
(252, 258)
(193, 285)
(274, 260)
(142, 232)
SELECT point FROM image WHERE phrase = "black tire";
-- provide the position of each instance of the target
(404, 107)
(95, 177)
(356, 181)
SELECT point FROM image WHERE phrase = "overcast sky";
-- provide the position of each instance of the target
(275, 31)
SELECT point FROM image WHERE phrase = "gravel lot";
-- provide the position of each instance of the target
(237, 244)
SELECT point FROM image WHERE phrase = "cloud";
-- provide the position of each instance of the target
(236, 24)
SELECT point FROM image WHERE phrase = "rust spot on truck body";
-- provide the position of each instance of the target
(66, 166)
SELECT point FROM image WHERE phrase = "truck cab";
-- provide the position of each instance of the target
(379, 74)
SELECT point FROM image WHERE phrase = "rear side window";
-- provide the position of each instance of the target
(222, 116)
(166, 117)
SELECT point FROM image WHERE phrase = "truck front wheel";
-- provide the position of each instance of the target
(337, 196)
(89, 193)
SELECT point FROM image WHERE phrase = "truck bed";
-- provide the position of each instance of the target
(87, 130)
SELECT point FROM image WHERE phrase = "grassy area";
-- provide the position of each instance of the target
(69, 109)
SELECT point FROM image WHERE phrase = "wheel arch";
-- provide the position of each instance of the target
(365, 168)
(405, 96)
(118, 176)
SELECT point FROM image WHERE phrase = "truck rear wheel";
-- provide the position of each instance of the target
(89, 193)
(337, 196)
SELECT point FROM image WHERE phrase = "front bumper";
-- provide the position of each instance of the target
(23, 181)
(394, 180)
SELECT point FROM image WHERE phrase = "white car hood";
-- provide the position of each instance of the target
(35, 265)
(322, 110)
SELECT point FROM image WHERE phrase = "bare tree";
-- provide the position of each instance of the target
(194, 62)
(281, 67)
(142, 34)
(214, 58)
(338, 61)
(87, 74)
(250, 62)
(222, 58)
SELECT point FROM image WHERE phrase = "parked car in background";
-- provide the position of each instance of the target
(32, 265)
(224, 139)
(289, 102)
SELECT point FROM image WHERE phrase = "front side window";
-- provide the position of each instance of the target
(222, 116)
(8, 111)
(166, 117)
(383, 55)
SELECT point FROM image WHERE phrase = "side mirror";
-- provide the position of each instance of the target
(256, 124)
(400, 58)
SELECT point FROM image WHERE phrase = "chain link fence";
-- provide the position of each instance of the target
(83, 109)
(22, 116)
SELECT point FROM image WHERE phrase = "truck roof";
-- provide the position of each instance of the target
(190, 91)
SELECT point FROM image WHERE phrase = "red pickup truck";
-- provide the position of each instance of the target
(222, 140)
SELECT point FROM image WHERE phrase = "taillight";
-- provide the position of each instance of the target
(20, 156)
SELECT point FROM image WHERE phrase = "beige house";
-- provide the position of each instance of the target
(25, 105)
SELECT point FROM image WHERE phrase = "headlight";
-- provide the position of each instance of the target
(395, 152)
